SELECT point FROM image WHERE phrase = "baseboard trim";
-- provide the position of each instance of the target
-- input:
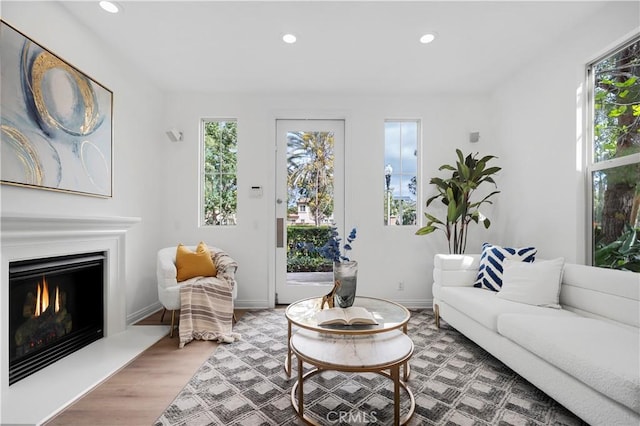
(415, 304)
(251, 304)
(143, 313)
(264, 304)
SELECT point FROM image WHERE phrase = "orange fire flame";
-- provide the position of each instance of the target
(42, 298)
(57, 305)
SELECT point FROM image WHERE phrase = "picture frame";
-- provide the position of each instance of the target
(56, 122)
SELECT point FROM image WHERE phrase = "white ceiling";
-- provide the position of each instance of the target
(343, 46)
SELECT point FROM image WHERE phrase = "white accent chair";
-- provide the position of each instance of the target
(168, 286)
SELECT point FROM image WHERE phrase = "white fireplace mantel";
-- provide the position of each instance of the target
(23, 225)
(25, 236)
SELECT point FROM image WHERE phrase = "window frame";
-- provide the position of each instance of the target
(592, 165)
(418, 158)
(202, 172)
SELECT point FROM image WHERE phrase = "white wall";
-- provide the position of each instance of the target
(138, 129)
(536, 116)
(386, 255)
(530, 123)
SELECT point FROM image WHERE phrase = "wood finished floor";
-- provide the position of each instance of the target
(139, 392)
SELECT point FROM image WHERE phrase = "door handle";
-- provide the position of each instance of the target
(279, 232)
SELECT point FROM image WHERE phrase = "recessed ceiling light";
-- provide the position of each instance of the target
(110, 6)
(427, 38)
(289, 38)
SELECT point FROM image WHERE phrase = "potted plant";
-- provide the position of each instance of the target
(456, 193)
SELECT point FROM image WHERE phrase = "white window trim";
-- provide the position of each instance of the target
(419, 207)
(201, 171)
(591, 165)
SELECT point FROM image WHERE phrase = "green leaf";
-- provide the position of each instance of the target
(617, 112)
(433, 219)
(627, 83)
(426, 230)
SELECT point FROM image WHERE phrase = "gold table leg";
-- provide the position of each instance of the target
(395, 375)
(300, 391)
(287, 361)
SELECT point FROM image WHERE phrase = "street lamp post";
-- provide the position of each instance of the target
(387, 177)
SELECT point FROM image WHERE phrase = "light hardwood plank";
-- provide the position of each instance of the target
(143, 389)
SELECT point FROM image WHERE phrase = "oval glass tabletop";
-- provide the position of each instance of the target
(389, 315)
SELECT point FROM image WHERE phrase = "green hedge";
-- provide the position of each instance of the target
(301, 242)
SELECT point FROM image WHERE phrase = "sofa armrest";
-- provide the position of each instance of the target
(455, 270)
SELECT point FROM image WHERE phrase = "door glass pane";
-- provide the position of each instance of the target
(310, 188)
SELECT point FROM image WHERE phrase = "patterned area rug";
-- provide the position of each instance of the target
(453, 380)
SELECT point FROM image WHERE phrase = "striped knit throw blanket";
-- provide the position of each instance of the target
(206, 311)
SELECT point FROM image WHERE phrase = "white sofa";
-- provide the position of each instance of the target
(586, 355)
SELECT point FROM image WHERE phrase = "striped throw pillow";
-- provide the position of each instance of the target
(491, 263)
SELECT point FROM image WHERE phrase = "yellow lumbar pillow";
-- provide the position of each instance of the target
(194, 264)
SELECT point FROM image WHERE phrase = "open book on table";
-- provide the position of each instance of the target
(345, 316)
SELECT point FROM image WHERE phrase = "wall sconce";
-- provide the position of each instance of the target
(474, 137)
(174, 135)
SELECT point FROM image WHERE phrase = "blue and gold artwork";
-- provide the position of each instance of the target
(55, 122)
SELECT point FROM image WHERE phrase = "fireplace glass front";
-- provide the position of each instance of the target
(56, 307)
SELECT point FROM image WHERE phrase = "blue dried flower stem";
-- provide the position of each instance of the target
(331, 250)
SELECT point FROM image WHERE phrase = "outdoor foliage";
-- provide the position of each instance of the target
(623, 253)
(220, 171)
(456, 193)
(403, 210)
(310, 171)
(315, 248)
(616, 127)
(302, 255)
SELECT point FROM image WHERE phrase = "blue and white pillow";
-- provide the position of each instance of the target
(491, 263)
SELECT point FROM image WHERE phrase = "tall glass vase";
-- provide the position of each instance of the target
(347, 274)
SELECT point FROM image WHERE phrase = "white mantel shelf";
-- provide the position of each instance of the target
(21, 223)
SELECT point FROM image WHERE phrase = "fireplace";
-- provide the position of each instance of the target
(56, 307)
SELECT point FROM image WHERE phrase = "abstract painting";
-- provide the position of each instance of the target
(55, 121)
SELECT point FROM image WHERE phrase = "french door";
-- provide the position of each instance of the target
(309, 198)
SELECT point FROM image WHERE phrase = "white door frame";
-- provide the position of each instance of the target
(278, 255)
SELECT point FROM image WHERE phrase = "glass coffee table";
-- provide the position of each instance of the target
(389, 315)
(356, 348)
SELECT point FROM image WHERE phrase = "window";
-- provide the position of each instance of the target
(400, 171)
(219, 184)
(614, 166)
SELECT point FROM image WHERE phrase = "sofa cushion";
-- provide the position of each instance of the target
(600, 354)
(484, 307)
(491, 259)
(536, 283)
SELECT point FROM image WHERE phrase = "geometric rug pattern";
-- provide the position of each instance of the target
(454, 382)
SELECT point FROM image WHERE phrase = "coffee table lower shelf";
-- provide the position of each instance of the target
(356, 354)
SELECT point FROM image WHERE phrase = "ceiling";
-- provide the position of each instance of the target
(350, 47)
